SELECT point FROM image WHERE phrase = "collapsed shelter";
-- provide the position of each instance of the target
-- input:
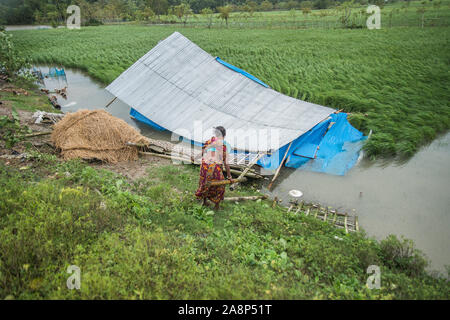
(177, 84)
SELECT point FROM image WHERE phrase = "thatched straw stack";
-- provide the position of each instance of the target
(96, 135)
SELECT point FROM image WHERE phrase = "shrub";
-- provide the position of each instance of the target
(11, 131)
(402, 255)
(11, 62)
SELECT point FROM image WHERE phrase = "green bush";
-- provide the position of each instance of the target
(12, 63)
(11, 131)
(401, 254)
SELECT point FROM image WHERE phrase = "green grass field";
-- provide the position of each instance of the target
(393, 80)
(149, 239)
(398, 14)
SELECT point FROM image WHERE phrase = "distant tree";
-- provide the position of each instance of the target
(38, 16)
(208, 14)
(252, 6)
(159, 7)
(293, 14)
(323, 4)
(306, 4)
(266, 5)
(224, 13)
(52, 16)
(282, 5)
(380, 3)
(182, 12)
(292, 4)
(146, 14)
(87, 10)
(306, 11)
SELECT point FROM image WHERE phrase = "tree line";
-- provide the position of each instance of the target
(98, 11)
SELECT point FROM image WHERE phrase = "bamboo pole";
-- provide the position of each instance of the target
(299, 207)
(140, 145)
(110, 102)
(165, 156)
(150, 146)
(279, 168)
(245, 198)
(345, 223)
(237, 172)
(35, 134)
(248, 174)
(223, 182)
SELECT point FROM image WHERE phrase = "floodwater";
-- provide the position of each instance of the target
(410, 199)
(29, 27)
(85, 93)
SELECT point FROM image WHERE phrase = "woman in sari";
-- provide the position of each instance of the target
(214, 156)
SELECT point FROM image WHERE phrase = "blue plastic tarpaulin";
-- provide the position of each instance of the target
(332, 147)
(138, 116)
(245, 73)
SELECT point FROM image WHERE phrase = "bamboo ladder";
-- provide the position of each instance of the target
(340, 220)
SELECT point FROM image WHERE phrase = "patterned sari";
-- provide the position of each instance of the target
(211, 172)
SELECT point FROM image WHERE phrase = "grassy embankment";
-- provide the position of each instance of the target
(393, 81)
(33, 101)
(149, 239)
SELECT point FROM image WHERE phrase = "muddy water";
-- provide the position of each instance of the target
(27, 27)
(410, 199)
(85, 93)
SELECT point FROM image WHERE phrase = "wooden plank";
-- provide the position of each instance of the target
(224, 182)
(279, 168)
(300, 206)
(35, 134)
